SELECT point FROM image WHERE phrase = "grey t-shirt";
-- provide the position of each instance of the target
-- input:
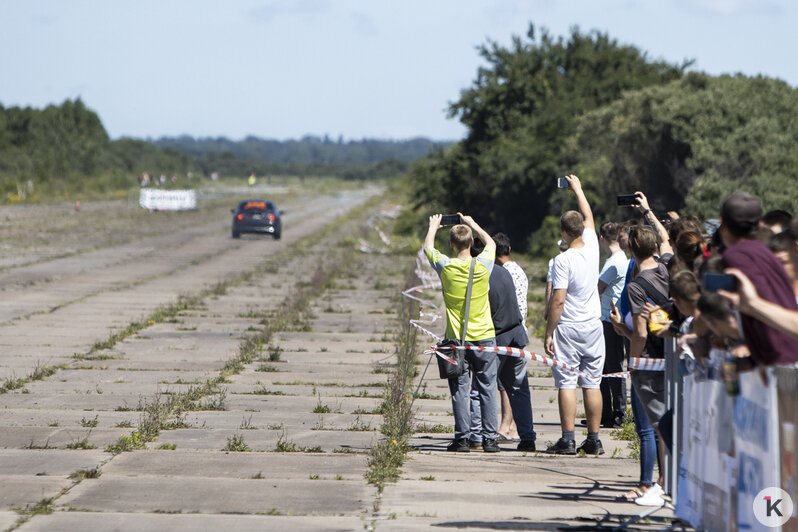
(659, 279)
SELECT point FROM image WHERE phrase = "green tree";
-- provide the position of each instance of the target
(521, 108)
(691, 143)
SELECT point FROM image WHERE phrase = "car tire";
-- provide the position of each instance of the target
(276, 235)
(236, 234)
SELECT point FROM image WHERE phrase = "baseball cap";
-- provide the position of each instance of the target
(741, 211)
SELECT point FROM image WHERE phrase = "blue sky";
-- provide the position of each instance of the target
(358, 68)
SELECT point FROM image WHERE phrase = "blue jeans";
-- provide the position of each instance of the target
(648, 441)
(512, 376)
(482, 366)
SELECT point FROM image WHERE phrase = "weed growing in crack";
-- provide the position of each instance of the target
(246, 424)
(91, 423)
(359, 426)
(286, 446)
(235, 443)
(81, 474)
(81, 444)
(274, 353)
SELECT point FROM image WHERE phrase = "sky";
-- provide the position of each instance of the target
(284, 69)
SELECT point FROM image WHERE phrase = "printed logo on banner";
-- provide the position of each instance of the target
(773, 507)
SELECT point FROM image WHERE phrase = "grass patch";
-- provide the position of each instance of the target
(91, 423)
(262, 390)
(167, 446)
(81, 474)
(388, 455)
(286, 446)
(434, 429)
(359, 426)
(235, 443)
(81, 444)
(246, 424)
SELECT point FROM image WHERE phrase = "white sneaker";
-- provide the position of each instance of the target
(652, 497)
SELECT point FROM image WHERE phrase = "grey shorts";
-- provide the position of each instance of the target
(650, 388)
(580, 345)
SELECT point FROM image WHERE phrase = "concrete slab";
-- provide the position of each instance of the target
(19, 491)
(7, 519)
(284, 466)
(136, 522)
(172, 494)
(49, 463)
(266, 440)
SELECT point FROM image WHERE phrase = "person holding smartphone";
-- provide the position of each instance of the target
(483, 366)
(740, 217)
(650, 285)
(574, 334)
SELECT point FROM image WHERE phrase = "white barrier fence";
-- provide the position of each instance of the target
(167, 200)
(730, 448)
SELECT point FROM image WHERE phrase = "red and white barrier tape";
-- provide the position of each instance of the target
(646, 364)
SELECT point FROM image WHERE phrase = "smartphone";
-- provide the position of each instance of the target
(450, 219)
(562, 183)
(627, 199)
(712, 282)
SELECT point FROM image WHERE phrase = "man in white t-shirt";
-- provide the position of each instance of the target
(574, 334)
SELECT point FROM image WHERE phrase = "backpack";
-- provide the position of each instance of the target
(655, 346)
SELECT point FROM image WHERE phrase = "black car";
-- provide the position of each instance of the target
(257, 216)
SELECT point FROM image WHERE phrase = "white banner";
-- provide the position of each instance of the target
(756, 444)
(714, 476)
(167, 200)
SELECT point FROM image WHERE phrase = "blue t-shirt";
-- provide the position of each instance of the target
(623, 308)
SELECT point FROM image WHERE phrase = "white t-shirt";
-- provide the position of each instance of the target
(614, 274)
(521, 284)
(577, 271)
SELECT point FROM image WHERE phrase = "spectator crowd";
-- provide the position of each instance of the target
(725, 288)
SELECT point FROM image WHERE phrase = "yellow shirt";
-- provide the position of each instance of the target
(454, 279)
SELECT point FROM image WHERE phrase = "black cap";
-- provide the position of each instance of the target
(741, 212)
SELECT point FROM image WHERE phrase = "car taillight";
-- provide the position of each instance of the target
(240, 217)
(271, 217)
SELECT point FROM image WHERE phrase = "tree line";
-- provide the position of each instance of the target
(308, 150)
(545, 107)
(63, 150)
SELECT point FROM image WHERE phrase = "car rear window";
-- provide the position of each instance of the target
(257, 206)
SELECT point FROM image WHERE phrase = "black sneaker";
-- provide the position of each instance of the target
(562, 446)
(591, 447)
(527, 446)
(489, 445)
(459, 445)
(475, 445)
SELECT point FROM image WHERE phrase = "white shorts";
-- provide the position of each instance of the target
(579, 345)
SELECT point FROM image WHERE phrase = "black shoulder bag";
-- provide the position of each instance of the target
(446, 369)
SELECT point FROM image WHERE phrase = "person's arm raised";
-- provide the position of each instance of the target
(584, 207)
(483, 235)
(434, 225)
(747, 300)
(651, 219)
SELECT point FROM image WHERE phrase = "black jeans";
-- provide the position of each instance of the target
(613, 390)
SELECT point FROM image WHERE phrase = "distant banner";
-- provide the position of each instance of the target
(168, 200)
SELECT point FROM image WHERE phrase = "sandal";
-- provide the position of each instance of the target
(501, 438)
(631, 495)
